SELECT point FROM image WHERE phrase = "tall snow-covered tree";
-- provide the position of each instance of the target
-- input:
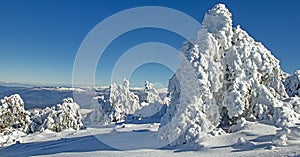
(225, 78)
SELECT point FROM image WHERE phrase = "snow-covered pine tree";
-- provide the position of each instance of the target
(57, 118)
(13, 115)
(193, 110)
(225, 76)
(195, 87)
(151, 104)
(150, 94)
(98, 116)
(122, 102)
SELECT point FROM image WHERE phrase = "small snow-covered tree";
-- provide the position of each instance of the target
(98, 116)
(151, 104)
(122, 102)
(57, 118)
(288, 113)
(150, 94)
(13, 115)
(14, 120)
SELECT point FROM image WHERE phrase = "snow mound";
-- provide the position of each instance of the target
(148, 110)
(287, 114)
(292, 84)
(226, 78)
(286, 135)
(240, 141)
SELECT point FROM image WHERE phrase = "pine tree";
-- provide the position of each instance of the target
(226, 78)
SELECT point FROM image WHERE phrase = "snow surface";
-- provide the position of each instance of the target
(257, 142)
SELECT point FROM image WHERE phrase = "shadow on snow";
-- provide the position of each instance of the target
(64, 145)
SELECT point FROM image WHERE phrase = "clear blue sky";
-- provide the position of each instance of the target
(39, 39)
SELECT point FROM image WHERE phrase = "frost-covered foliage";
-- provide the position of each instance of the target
(118, 103)
(151, 104)
(121, 103)
(226, 78)
(253, 79)
(192, 110)
(218, 22)
(57, 118)
(10, 138)
(13, 115)
(150, 94)
(15, 121)
(292, 84)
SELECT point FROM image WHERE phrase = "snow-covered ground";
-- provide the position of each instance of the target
(140, 139)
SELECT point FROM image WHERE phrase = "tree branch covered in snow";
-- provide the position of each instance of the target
(292, 84)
